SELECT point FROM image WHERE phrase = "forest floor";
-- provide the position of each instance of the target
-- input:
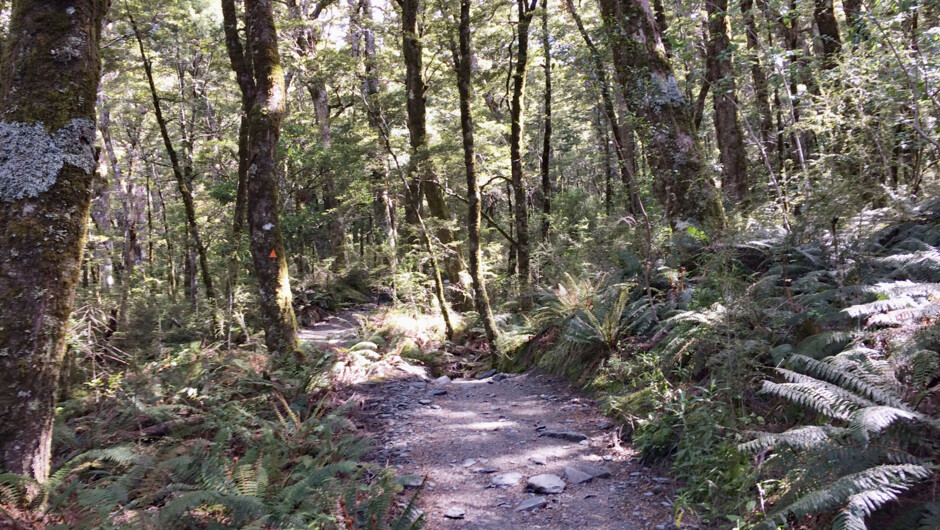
(481, 446)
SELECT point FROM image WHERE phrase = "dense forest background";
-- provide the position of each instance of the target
(720, 219)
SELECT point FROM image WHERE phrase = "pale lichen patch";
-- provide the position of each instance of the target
(31, 158)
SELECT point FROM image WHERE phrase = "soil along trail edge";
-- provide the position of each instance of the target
(506, 451)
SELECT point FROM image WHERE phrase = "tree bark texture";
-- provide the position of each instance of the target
(758, 78)
(481, 300)
(650, 91)
(48, 86)
(516, 134)
(727, 128)
(335, 225)
(257, 67)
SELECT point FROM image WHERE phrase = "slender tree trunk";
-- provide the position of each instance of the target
(673, 150)
(183, 178)
(758, 77)
(47, 165)
(264, 93)
(623, 143)
(547, 133)
(727, 129)
(474, 212)
(526, 11)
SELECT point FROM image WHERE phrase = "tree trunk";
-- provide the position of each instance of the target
(335, 228)
(825, 16)
(481, 300)
(623, 143)
(727, 129)
(758, 78)
(422, 180)
(547, 133)
(265, 98)
(650, 91)
(48, 87)
(516, 135)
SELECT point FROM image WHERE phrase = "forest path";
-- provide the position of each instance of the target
(482, 443)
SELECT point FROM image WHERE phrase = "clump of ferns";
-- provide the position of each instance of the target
(590, 319)
(874, 445)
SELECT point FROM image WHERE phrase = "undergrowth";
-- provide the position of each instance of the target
(788, 376)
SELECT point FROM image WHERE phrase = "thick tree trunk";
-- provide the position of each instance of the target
(481, 300)
(264, 121)
(727, 129)
(516, 135)
(48, 87)
(422, 180)
(825, 16)
(263, 93)
(650, 91)
(623, 143)
(547, 132)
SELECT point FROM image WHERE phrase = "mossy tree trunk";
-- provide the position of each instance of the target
(649, 88)
(258, 69)
(481, 300)
(48, 85)
(526, 11)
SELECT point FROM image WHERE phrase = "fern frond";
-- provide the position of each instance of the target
(802, 438)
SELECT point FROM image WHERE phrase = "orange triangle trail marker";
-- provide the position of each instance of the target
(273, 254)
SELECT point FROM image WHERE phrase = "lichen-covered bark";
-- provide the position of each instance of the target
(650, 91)
(264, 121)
(481, 300)
(727, 129)
(48, 80)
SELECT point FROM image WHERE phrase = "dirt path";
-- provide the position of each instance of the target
(482, 443)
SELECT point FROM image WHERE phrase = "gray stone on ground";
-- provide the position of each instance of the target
(529, 504)
(546, 483)
(410, 481)
(539, 460)
(484, 375)
(438, 392)
(576, 476)
(442, 380)
(506, 479)
(570, 436)
(596, 472)
(454, 512)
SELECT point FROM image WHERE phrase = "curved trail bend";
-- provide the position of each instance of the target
(480, 442)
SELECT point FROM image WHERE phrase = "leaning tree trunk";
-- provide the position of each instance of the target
(265, 103)
(727, 129)
(650, 91)
(480, 298)
(516, 135)
(48, 86)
